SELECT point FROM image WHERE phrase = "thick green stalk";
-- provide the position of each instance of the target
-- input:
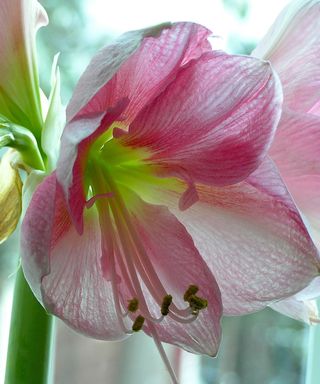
(28, 358)
(313, 363)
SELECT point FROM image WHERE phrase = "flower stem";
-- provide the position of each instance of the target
(28, 358)
(313, 366)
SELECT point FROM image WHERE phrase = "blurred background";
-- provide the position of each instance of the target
(264, 348)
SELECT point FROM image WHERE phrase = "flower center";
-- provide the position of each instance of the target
(114, 176)
(129, 168)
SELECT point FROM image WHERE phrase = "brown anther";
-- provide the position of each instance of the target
(133, 305)
(138, 324)
(197, 303)
(166, 302)
(192, 290)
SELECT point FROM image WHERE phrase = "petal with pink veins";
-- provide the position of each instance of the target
(253, 239)
(292, 45)
(75, 143)
(117, 84)
(63, 268)
(296, 145)
(296, 152)
(178, 264)
(137, 66)
(305, 191)
(70, 273)
(215, 122)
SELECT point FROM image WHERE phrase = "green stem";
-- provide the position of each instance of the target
(313, 366)
(28, 358)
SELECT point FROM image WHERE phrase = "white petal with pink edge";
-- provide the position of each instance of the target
(292, 45)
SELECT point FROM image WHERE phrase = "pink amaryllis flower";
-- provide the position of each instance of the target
(292, 45)
(147, 222)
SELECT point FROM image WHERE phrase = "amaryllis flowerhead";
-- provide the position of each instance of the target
(160, 128)
(292, 45)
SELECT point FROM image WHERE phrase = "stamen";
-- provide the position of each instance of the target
(125, 245)
(167, 300)
(162, 352)
(136, 260)
(145, 271)
(145, 267)
(184, 320)
(192, 290)
(107, 247)
(197, 303)
(92, 200)
(133, 305)
(138, 324)
(122, 265)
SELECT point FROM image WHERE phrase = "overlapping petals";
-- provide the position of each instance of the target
(173, 254)
(292, 45)
(67, 272)
(253, 239)
(56, 260)
(160, 106)
(126, 75)
(224, 108)
(299, 163)
(214, 123)
(123, 69)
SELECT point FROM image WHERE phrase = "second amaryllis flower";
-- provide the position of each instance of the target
(157, 119)
(292, 46)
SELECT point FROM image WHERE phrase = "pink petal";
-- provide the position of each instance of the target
(296, 146)
(63, 268)
(76, 139)
(253, 239)
(305, 191)
(215, 122)
(292, 45)
(178, 264)
(315, 110)
(296, 151)
(36, 232)
(120, 80)
(137, 66)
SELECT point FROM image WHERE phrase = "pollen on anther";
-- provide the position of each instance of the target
(197, 303)
(133, 305)
(138, 324)
(166, 302)
(192, 290)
